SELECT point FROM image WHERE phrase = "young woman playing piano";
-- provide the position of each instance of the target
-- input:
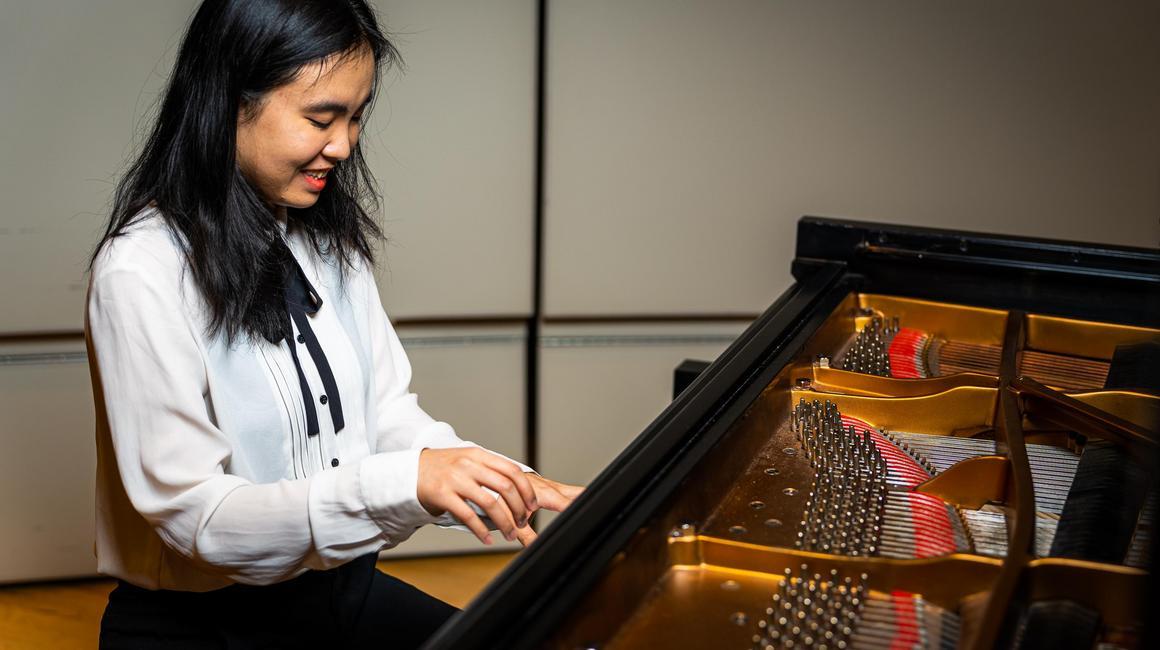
(257, 441)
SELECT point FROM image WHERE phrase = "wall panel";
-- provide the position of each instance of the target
(48, 468)
(603, 384)
(451, 142)
(684, 139)
(77, 78)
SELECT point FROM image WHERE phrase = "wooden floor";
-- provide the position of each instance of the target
(66, 615)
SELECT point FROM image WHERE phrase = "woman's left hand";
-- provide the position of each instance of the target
(551, 495)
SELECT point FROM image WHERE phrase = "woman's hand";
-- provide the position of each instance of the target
(551, 495)
(448, 478)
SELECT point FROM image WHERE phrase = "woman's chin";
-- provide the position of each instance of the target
(299, 200)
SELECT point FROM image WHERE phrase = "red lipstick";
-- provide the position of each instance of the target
(315, 184)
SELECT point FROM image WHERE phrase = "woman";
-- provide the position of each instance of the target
(257, 442)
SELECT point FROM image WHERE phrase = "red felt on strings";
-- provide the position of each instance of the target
(929, 517)
(905, 621)
(906, 354)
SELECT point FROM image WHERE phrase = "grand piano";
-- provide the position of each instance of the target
(933, 439)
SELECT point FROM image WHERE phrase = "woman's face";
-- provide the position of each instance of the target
(303, 129)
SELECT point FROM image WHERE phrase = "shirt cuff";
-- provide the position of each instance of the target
(389, 483)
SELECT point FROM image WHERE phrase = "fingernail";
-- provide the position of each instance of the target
(487, 540)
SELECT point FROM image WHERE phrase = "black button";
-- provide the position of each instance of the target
(322, 399)
(334, 462)
(301, 339)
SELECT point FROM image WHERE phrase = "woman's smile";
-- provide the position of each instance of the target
(315, 179)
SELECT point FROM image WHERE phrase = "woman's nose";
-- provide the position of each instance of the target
(339, 147)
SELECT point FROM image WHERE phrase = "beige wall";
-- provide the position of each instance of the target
(49, 465)
(603, 384)
(75, 78)
(452, 144)
(685, 138)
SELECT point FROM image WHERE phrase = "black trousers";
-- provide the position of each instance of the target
(352, 606)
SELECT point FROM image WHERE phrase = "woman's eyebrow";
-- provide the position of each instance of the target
(331, 106)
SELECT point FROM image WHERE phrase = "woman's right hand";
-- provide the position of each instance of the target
(448, 478)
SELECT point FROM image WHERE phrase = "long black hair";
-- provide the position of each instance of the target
(233, 54)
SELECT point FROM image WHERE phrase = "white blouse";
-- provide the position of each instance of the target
(206, 472)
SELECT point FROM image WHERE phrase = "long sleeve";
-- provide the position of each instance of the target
(172, 459)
